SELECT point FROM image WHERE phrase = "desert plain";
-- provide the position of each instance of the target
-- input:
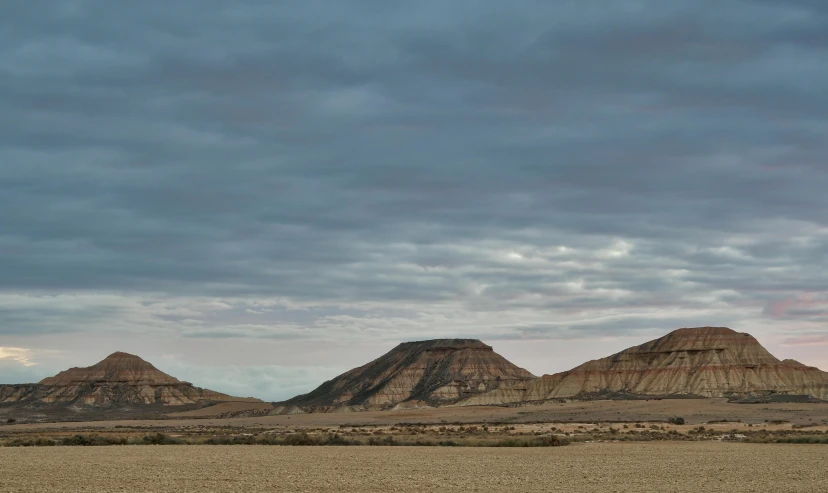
(616, 446)
(245, 415)
(606, 467)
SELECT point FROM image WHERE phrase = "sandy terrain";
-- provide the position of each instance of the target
(222, 408)
(610, 467)
(694, 411)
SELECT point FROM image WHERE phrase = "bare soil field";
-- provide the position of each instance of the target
(694, 411)
(610, 467)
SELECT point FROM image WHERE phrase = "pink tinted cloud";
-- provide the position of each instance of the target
(808, 305)
(809, 340)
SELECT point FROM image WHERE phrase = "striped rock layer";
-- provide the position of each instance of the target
(415, 374)
(120, 379)
(704, 362)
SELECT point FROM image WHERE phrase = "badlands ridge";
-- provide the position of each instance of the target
(414, 374)
(120, 379)
(686, 363)
(695, 362)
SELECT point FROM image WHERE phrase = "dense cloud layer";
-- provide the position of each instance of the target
(310, 171)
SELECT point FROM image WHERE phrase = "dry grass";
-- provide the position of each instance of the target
(694, 411)
(464, 435)
(610, 467)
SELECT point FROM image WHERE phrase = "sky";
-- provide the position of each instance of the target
(256, 196)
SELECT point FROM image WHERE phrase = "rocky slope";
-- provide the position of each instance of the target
(704, 361)
(120, 379)
(435, 372)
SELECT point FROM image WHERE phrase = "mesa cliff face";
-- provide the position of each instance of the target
(120, 379)
(435, 372)
(704, 361)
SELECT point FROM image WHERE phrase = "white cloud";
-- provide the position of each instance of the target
(22, 356)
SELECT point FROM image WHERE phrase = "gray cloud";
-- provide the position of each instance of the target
(304, 171)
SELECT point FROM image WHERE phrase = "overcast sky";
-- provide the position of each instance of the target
(258, 195)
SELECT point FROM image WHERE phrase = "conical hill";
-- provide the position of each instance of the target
(703, 361)
(433, 372)
(121, 379)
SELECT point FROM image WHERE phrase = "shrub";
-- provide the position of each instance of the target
(676, 421)
(336, 439)
(160, 439)
(424, 443)
(803, 439)
(219, 441)
(92, 441)
(550, 441)
(40, 442)
(11, 420)
(388, 441)
(299, 439)
(244, 440)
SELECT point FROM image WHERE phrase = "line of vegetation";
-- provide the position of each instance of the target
(296, 439)
(94, 441)
(791, 439)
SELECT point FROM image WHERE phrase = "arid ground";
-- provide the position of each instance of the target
(615, 446)
(608, 467)
(694, 411)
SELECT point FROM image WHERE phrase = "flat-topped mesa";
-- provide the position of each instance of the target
(118, 367)
(701, 361)
(446, 345)
(703, 345)
(434, 372)
(120, 379)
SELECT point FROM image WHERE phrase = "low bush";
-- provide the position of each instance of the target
(336, 439)
(92, 441)
(549, 441)
(300, 439)
(387, 441)
(161, 439)
(803, 439)
(38, 442)
(448, 443)
(219, 441)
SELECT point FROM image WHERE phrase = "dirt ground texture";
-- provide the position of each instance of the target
(694, 411)
(609, 467)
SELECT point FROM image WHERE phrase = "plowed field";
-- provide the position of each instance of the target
(606, 467)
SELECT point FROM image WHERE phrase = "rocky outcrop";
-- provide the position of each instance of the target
(423, 373)
(704, 362)
(120, 379)
(118, 367)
